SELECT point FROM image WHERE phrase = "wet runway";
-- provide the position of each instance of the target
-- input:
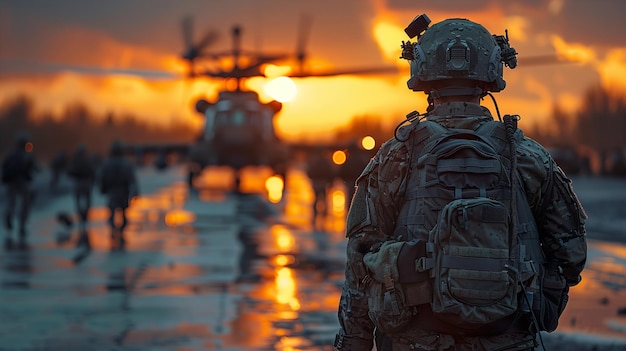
(211, 269)
(201, 270)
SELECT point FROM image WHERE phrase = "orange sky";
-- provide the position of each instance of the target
(51, 52)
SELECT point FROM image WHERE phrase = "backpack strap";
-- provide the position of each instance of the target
(422, 133)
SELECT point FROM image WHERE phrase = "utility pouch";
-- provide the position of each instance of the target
(554, 298)
(390, 301)
(411, 253)
(416, 284)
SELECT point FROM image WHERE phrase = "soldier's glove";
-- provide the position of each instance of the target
(351, 343)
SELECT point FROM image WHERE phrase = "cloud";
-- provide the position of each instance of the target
(613, 70)
(572, 51)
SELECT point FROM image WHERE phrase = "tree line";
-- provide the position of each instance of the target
(597, 129)
(79, 125)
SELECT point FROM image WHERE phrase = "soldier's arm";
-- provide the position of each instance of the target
(369, 223)
(559, 214)
(563, 224)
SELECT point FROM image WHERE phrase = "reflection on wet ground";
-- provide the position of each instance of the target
(211, 269)
(206, 269)
(598, 304)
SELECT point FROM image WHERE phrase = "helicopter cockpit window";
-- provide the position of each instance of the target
(239, 117)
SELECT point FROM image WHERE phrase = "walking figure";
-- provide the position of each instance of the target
(18, 170)
(82, 170)
(321, 173)
(119, 183)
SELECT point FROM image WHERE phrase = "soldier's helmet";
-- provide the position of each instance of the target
(117, 149)
(455, 51)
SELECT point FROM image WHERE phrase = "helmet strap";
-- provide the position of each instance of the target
(455, 91)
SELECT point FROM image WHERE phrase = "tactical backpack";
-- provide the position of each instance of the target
(465, 256)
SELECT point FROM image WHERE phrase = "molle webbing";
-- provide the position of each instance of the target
(418, 192)
(427, 167)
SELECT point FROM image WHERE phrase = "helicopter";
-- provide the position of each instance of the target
(239, 129)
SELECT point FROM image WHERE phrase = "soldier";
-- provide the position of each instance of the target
(321, 173)
(82, 170)
(119, 183)
(18, 170)
(395, 293)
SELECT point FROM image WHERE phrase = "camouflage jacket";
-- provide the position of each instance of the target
(379, 197)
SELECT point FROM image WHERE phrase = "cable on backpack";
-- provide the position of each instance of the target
(410, 117)
(495, 104)
(534, 318)
(510, 125)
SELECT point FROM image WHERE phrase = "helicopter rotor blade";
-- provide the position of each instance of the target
(303, 35)
(24, 67)
(350, 71)
(187, 31)
(209, 38)
(544, 60)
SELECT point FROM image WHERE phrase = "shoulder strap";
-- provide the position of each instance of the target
(424, 133)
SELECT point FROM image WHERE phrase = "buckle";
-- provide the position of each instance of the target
(423, 264)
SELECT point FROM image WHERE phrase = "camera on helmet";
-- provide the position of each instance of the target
(414, 29)
(417, 26)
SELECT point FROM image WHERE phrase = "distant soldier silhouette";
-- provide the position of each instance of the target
(18, 170)
(82, 170)
(119, 183)
(57, 167)
(321, 172)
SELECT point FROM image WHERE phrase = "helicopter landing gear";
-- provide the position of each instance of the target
(190, 177)
(237, 180)
(194, 171)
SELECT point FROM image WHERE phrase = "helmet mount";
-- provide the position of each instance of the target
(455, 51)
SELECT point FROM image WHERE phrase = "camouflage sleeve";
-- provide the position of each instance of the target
(370, 221)
(558, 211)
(563, 226)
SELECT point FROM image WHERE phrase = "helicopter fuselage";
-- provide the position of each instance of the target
(239, 131)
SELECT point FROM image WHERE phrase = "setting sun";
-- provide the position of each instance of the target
(282, 89)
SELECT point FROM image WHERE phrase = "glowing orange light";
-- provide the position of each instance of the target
(29, 147)
(281, 89)
(284, 238)
(178, 217)
(339, 201)
(283, 260)
(274, 186)
(339, 157)
(286, 288)
(368, 142)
